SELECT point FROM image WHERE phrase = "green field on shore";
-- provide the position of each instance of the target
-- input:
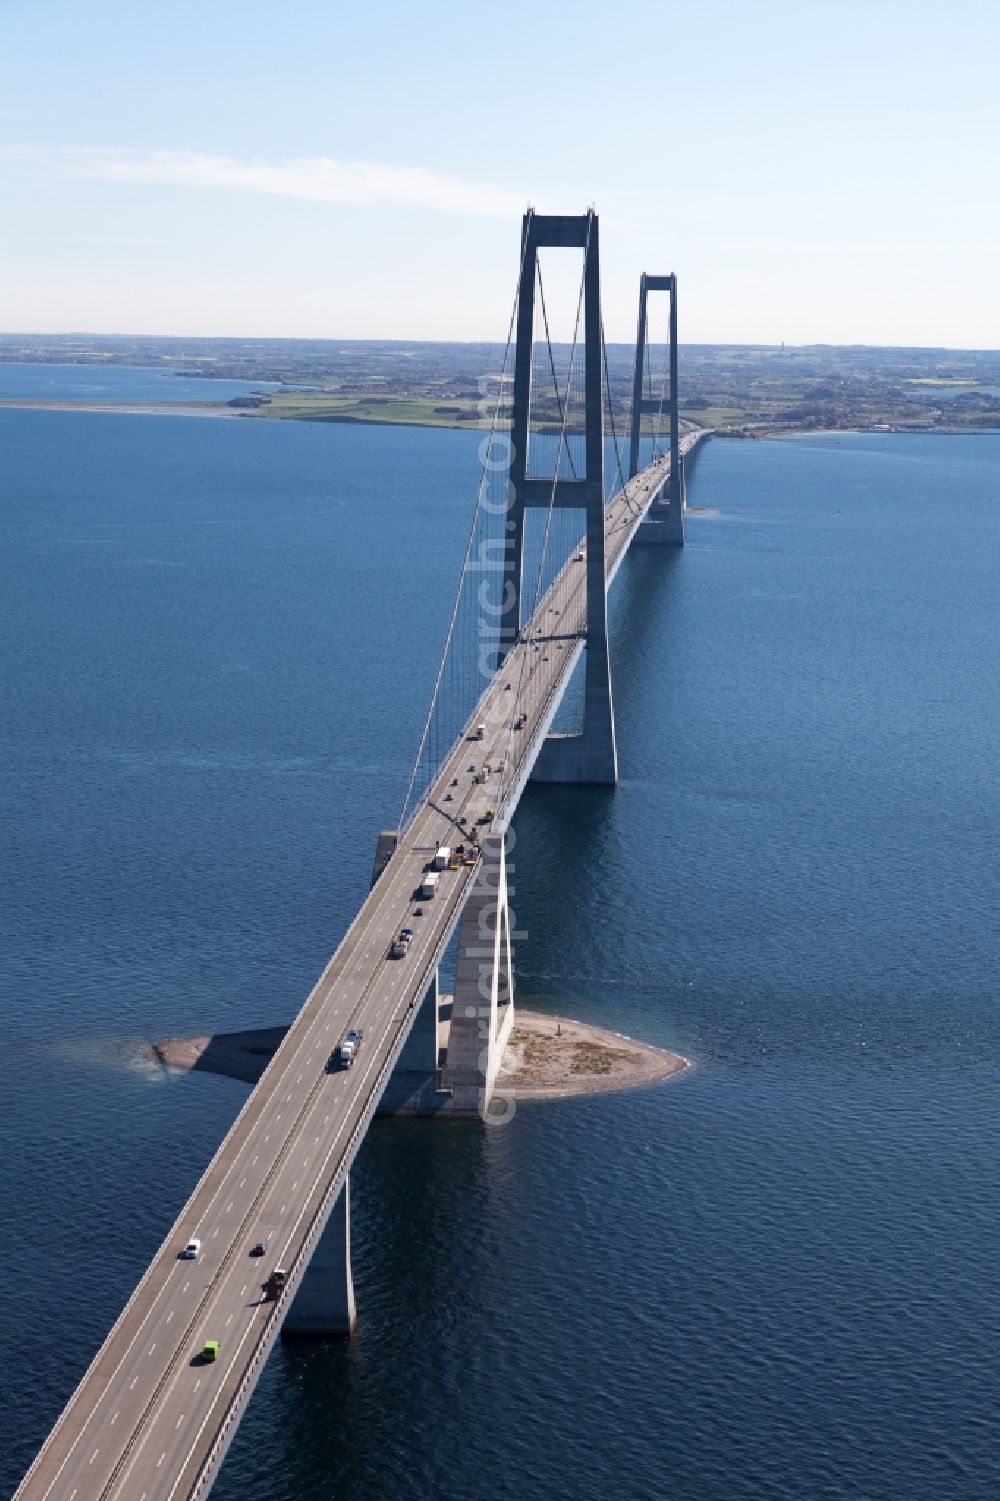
(328, 406)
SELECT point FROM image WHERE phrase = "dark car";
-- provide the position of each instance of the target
(258, 1249)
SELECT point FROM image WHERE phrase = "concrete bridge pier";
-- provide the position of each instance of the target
(664, 523)
(590, 756)
(324, 1307)
(413, 1084)
(483, 1005)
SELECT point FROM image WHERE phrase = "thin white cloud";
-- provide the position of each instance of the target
(319, 179)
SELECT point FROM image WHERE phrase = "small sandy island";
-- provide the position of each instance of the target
(548, 1057)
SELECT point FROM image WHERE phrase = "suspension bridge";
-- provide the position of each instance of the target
(152, 1417)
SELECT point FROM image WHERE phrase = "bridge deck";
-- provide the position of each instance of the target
(148, 1421)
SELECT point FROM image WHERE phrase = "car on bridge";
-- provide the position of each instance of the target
(192, 1250)
(274, 1283)
(210, 1350)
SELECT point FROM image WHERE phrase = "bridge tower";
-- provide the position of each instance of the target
(665, 522)
(590, 756)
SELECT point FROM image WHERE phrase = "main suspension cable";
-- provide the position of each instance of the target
(552, 364)
(401, 823)
(528, 642)
(663, 393)
(614, 433)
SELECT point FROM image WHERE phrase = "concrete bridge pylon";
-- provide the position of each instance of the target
(590, 756)
(664, 524)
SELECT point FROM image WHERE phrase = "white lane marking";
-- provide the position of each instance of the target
(179, 1422)
(132, 1382)
(170, 1316)
(245, 1286)
(152, 1347)
(197, 1383)
(114, 1419)
(161, 1459)
(242, 1181)
(186, 1286)
(229, 1321)
(229, 1206)
(94, 1455)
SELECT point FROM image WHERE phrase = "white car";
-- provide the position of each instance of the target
(191, 1250)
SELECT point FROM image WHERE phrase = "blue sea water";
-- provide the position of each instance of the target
(773, 1277)
(101, 383)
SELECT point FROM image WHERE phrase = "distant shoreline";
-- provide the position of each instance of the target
(188, 409)
(215, 409)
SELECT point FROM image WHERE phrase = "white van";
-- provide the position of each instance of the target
(191, 1250)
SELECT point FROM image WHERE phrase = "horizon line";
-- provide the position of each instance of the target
(471, 343)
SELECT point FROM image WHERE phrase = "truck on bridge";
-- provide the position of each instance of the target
(344, 1053)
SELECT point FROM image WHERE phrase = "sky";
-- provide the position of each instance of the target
(811, 171)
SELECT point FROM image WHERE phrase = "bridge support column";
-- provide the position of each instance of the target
(413, 1084)
(483, 1004)
(324, 1306)
(592, 755)
(664, 524)
(386, 843)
